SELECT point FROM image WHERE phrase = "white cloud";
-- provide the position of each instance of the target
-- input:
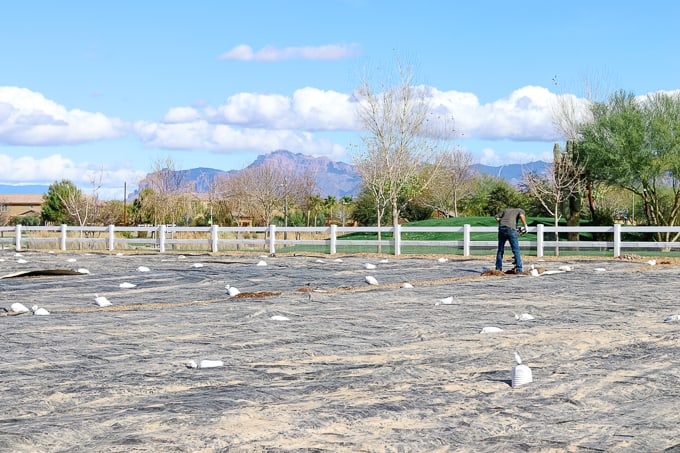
(27, 169)
(525, 115)
(309, 109)
(181, 115)
(324, 110)
(492, 157)
(222, 138)
(255, 110)
(489, 157)
(28, 118)
(244, 52)
(263, 122)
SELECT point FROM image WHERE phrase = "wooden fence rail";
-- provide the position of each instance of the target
(216, 238)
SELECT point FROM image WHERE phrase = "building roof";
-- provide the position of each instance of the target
(21, 199)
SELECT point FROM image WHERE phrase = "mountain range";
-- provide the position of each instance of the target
(333, 178)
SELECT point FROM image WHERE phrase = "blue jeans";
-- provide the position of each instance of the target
(508, 234)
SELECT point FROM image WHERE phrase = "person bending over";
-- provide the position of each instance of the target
(507, 231)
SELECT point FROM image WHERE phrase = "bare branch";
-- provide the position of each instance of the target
(401, 138)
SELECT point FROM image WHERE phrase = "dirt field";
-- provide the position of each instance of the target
(316, 359)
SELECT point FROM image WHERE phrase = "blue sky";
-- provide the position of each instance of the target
(109, 88)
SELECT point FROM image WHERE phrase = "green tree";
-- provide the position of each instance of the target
(476, 201)
(345, 206)
(635, 144)
(364, 209)
(329, 204)
(143, 208)
(414, 211)
(54, 209)
(313, 203)
(502, 196)
(26, 220)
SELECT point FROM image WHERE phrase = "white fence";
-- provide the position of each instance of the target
(217, 238)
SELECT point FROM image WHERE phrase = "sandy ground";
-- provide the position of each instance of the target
(355, 367)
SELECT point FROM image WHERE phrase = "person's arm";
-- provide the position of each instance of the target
(523, 218)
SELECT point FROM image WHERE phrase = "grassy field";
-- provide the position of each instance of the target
(486, 221)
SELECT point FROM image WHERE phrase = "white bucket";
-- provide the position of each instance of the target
(521, 374)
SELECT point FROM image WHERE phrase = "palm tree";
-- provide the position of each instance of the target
(344, 202)
(314, 202)
(329, 203)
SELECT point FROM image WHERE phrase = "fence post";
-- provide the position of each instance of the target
(161, 238)
(466, 239)
(111, 237)
(213, 237)
(334, 238)
(62, 240)
(17, 237)
(397, 239)
(272, 239)
(539, 240)
(617, 240)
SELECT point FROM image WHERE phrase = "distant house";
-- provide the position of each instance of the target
(19, 205)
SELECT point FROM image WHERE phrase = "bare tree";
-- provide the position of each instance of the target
(303, 186)
(266, 190)
(453, 181)
(569, 114)
(110, 212)
(226, 201)
(212, 194)
(375, 182)
(170, 196)
(560, 180)
(83, 208)
(254, 191)
(570, 111)
(262, 185)
(80, 207)
(400, 137)
(294, 188)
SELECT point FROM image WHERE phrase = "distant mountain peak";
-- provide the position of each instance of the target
(333, 178)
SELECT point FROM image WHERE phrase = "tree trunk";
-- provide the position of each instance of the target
(455, 203)
(574, 215)
(379, 232)
(591, 201)
(557, 236)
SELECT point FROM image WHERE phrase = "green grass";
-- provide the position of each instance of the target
(437, 236)
(490, 236)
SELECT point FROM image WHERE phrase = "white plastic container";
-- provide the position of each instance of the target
(210, 363)
(521, 374)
